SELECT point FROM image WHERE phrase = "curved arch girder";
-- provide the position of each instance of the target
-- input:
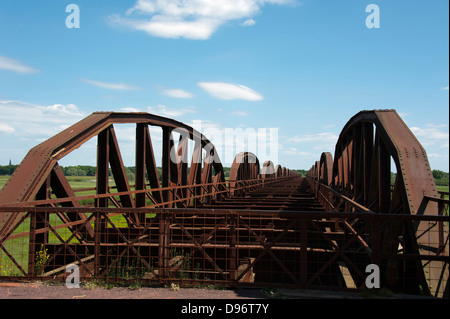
(367, 146)
(245, 166)
(326, 168)
(268, 170)
(371, 145)
(39, 175)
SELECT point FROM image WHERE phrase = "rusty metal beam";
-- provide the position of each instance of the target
(367, 145)
(262, 222)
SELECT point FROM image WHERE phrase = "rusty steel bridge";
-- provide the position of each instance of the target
(263, 225)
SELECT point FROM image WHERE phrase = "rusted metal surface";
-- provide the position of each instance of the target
(39, 182)
(230, 247)
(366, 147)
(264, 226)
(36, 167)
(268, 170)
(325, 173)
(38, 177)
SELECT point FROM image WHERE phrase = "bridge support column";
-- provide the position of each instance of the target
(303, 253)
(232, 258)
(164, 249)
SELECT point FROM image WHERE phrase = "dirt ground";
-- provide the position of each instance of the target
(31, 298)
(40, 290)
(44, 290)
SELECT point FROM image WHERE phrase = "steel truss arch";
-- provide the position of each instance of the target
(268, 170)
(371, 145)
(326, 168)
(39, 178)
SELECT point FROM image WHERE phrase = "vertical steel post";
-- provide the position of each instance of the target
(166, 164)
(303, 253)
(102, 188)
(376, 240)
(367, 140)
(102, 167)
(164, 246)
(140, 164)
(384, 177)
(232, 258)
(37, 221)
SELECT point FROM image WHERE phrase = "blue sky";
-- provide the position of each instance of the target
(302, 67)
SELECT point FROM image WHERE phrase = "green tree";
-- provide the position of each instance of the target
(74, 171)
(437, 174)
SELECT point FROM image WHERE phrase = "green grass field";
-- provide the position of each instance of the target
(75, 181)
(3, 180)
(443, 189)
(78, 182)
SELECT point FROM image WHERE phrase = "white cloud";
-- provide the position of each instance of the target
(229, 141)
(129, 109)
(239, 113)
(320, 137)
(163, 110)
(6, 128)
(170, 28)
(37, 122)
(446, 88)
(248, 23)
(229, 91)
(317, 143)
(178, 93)
(194, 19)
(431, 135)
(293, 151)
(112, 86)
(14, 65)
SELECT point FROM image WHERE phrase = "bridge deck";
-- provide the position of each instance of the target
(292, 194)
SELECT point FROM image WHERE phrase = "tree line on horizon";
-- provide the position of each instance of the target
(441, 178)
